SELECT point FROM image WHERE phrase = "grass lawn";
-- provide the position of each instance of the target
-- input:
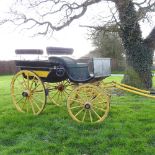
(129, 128)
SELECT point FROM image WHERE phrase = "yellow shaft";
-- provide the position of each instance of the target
(133, 88)
(135, 91)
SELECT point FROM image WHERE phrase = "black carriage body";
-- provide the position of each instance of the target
(57, 69)
(47, 71)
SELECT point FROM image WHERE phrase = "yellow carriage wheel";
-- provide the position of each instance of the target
(88, 103)
(59, 92)
(28, 92)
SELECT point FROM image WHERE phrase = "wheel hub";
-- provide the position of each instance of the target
(87, 105)
(61, 87)
(25, 93)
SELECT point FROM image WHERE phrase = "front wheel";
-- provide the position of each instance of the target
(88, 103)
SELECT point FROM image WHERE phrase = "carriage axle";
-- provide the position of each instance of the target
(25, 93)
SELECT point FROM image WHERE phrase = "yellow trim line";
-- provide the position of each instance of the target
(41, 73)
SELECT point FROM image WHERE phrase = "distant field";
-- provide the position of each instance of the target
(129, 128)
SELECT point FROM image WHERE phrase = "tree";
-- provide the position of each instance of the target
(108, 44)
(53, 15)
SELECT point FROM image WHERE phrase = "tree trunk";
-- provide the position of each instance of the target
(139, 56)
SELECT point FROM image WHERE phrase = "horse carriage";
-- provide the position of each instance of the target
(61, 80)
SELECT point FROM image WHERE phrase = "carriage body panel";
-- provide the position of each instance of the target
(57, 69)
(46, 70)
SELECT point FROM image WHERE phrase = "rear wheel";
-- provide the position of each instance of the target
(88, 103)
(28, 92)
(59, 92)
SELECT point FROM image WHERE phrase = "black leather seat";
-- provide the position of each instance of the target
(77, 72)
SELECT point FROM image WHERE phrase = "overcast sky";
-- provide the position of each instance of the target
(72, 36)
(11, 38)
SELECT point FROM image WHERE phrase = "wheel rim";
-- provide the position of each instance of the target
(58, 92)
(89, 104)
(28, 92)
(106, 87)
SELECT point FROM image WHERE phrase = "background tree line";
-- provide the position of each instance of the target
(7, 67)
(108, 45)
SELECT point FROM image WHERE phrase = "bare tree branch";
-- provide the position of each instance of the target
(61, 13)
(72, 11)
(141, 3)
(144, 8)
(106, 28)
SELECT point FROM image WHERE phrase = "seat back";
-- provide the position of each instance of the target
(59, 51)
(29, 51)
(29, 54)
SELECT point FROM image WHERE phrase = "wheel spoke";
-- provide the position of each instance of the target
(84, 116)
(99, 108)
(67, 92)
(35, 104)
(52, 100)
(24, 82)
(81, 98)
(27, 108)
(84, 95)
(32, 107)
(37, 99)
(66, 82)
(38, 91)
(90, 115)
(95, 98)
(96, 113)
(62, 96)
(20, 100)
(21, 84)
(75, 107)
(36, 87)
(58, 96)
(79, 112)
(17, 94)
(65, 95)
(75, 100)
(55, 94)
(32, 82)
(24, 103)
(27, 81)
(51, 89)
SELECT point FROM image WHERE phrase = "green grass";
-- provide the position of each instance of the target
(117, 72)
(128, 129)
(122, 72)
